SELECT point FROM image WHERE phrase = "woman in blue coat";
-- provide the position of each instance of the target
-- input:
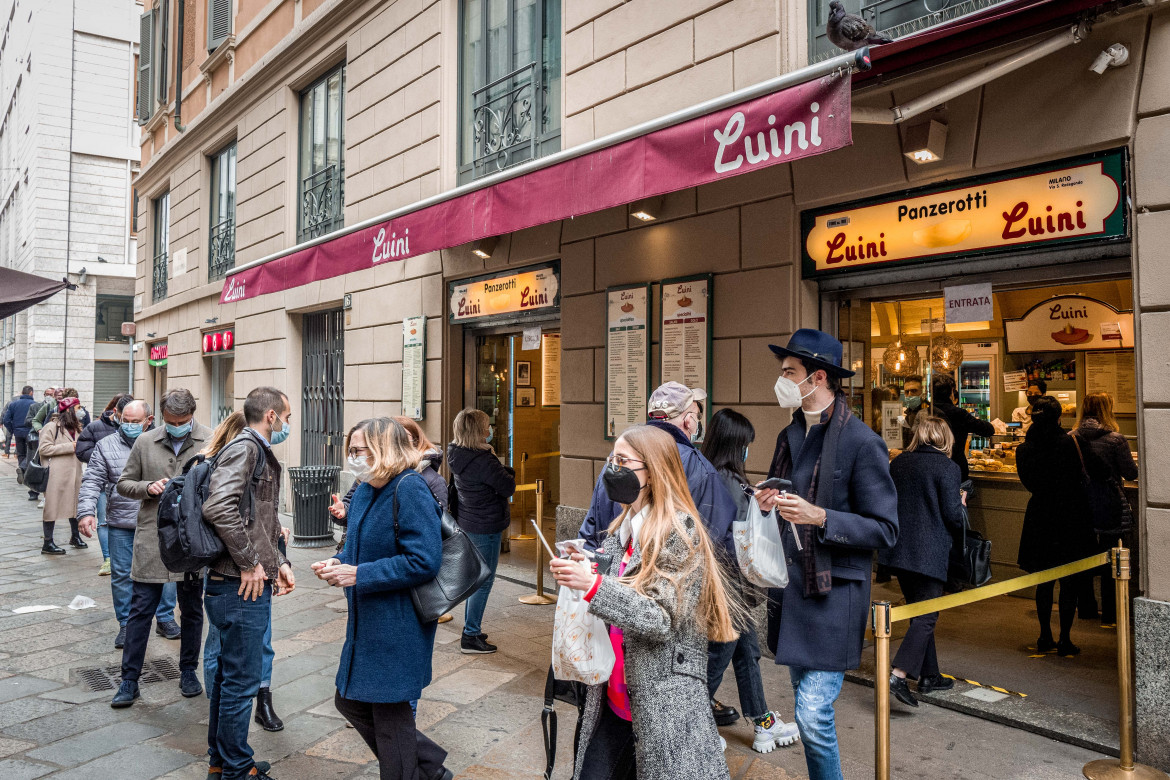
(393, 543)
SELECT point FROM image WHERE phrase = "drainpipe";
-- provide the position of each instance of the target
(179, 70)
(924, 103)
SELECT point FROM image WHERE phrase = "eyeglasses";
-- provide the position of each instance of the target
(615, 462)
(353, 452)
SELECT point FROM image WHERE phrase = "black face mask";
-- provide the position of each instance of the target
(622, 485)
(1031, 399)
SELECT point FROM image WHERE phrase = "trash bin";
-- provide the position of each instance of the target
(312, 523)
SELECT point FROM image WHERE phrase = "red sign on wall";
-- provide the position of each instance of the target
(158, 354)
(219, 341)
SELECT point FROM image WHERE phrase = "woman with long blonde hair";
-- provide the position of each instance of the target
(663, 597)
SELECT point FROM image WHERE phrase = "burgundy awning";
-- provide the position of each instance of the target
(19, 290)
(799, 121)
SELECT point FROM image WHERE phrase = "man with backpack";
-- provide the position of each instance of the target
(156, 457)
(106, 463)
(14, 420)
(241, 507)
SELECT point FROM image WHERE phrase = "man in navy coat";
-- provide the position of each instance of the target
(841, 508)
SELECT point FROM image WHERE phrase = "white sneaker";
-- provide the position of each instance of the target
(41, 504)
(722, 743)
(777, 734)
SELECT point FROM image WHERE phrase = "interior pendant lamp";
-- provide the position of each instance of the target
(901, 359)
(946, 353)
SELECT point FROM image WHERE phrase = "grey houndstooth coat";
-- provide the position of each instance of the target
(666, 670)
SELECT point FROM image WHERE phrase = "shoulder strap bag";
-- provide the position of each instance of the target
(462, 571)
(1112, 514)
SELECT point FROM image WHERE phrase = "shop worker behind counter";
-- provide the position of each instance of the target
(242, 581)
(155, 457)
(843, 506)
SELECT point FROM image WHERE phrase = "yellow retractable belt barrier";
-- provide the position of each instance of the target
(539, 596)
(524, 458)
(882, 615)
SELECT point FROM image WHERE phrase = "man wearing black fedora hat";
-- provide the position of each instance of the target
(842, 507)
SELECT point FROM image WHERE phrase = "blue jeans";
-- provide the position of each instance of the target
(121, 558)
(816, 692)
(211, 658)
(744, 655)
(489, 547)
(102, 529)
(241, 624)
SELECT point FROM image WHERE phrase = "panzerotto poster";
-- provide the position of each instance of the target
(627, 357)
(686, 332)
(414, 364)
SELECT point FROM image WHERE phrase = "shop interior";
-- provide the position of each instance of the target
(517, 384)
(892, 341)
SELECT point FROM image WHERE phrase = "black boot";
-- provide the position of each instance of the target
(74, 536)
(265, 715)
(49, 547)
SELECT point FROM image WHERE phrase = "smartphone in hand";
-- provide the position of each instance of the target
(776, 483)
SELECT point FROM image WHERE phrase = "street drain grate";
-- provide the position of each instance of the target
(110, 677)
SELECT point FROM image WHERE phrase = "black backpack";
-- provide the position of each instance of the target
(186, 543)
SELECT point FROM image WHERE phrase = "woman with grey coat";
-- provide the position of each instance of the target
(662, 596)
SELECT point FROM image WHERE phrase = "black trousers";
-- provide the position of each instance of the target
(403, 752)
(610, 755)
(143, 603)
(917, 656)
(22, 456)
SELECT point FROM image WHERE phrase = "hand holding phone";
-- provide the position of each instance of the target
(775, 483)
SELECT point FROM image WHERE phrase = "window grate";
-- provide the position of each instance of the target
(321, 201)
(223, 249)
(108, 678)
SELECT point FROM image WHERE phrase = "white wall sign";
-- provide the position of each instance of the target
(892, 424)
(414, 364)
(531, 339)
(969, 303)
(1070, 323)
(627, 358)
(179, 262)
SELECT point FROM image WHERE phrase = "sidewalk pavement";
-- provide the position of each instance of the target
(485, 710)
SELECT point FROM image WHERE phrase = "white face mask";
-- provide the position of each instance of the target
(359, 466)
(788, 392)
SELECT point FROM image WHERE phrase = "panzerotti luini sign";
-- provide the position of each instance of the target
(1062, 202)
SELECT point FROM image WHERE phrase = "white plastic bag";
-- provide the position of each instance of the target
(759, 549)
(581, 650)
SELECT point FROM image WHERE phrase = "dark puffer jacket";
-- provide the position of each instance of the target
(1058, 524)
(484, 486)
(93, 433)
(930, 512)
(106, 462)
(1110, 447)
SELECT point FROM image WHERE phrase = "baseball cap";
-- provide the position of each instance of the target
(672, 399)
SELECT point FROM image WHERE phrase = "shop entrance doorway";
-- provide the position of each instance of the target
(514, 377)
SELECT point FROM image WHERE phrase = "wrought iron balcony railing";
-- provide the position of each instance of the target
(322, 199)
(508, 117)
(159, 288)
(222, 257)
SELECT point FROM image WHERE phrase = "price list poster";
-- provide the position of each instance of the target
(627, 357)
(414, 358)
(686, 332)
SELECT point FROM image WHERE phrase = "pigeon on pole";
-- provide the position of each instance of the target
(849, 31)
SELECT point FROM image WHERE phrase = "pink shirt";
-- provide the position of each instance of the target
(616, 692)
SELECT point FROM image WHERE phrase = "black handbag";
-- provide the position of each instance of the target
(1112, 514)
(36, 475)
(976, 559)
(461, 572)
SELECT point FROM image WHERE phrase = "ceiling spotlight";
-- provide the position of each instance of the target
(646, 209)
(484, 247)
(925, 143)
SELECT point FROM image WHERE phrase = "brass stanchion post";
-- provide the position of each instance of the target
(539, 597)
(880, 621)
(1124, 767)
(523, 536)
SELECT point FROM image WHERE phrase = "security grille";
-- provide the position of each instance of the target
(107, 678)
(323, 389)
(223, 249)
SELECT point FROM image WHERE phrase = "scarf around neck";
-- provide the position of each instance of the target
(815, 558)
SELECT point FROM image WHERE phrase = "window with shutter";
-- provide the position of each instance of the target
(145, 49)
(219, 22)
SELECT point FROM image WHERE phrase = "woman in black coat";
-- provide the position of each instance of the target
(1058, 524)
(930, 522)
(483, 486)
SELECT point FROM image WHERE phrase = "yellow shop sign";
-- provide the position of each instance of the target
(506, 296)
(1062, 202)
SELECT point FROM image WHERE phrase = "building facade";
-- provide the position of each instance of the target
(274, 250)
(69, 149)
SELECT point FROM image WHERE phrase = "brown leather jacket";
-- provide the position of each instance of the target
(249, 540)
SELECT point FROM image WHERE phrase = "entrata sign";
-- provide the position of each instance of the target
(219, 341)
(507, 296)
(1062, 202)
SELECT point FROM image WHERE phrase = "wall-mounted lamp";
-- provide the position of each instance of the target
(646, 209)
(925, 143)
(485, 246)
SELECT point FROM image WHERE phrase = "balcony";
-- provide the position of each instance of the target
(223, 249)
(508, 118)
(895, 18)
(159, 288)
(322, 198)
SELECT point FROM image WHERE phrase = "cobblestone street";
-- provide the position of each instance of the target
(485, 710)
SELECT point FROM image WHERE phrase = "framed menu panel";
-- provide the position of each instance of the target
(686, 333)
(627, 357)
(1113, 373)
(414, 364)
(550, 366)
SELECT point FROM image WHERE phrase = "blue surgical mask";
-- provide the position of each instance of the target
(491, 433)
(913, 402)
(132, 430)
(282, 434)
(745, 452)
(178, 431)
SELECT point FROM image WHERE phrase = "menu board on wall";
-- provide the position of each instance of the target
(550, 369)
(414, 364)
(686, 332)
(1113, 373)
(627, 357)
(892, 424)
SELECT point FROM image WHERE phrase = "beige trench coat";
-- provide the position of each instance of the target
(151, 459)
(56, 450)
